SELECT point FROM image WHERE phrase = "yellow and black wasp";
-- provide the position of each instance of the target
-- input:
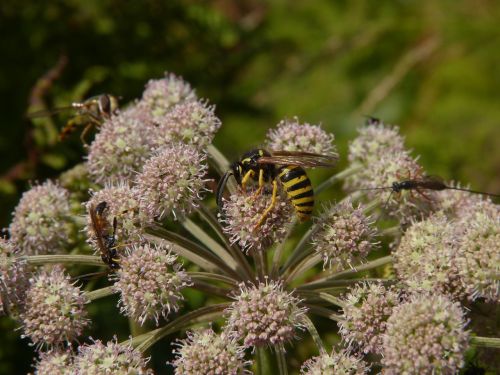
(104, 234)
(285, 167)
(91, 112)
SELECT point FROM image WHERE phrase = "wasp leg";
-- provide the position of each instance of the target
(84, 133)
(270, 207)
(424, 195)
(245, 179)
(261, 186)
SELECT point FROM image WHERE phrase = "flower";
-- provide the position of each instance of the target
(54, 362)
(40, 223)
(205, 352)
(161, 95)
(264, 314)
(426, 258)
(149, 281)
(365, 313)
(344, 234)
(242, 212)
(54, 309)
(120, 149)
(110, 358)
(290, 135)
(341, 362)
(478, 259)
(191, 122)
(172, 181)
(122, 204)
(425, 336)
(14, 279)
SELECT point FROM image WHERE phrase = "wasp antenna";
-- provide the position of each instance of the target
(474, 191)
(221, 186)
(375, 188)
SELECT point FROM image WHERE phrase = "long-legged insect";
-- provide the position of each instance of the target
(91, 112)
(104, 236)
(287, 167)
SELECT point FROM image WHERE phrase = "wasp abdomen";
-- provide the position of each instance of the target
(299, 190)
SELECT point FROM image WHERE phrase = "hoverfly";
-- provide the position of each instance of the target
(287, 167)
(91, 112)
(104, 235)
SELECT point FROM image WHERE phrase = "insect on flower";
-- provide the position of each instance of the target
(105, 238)
(91, 112)
(287, 167)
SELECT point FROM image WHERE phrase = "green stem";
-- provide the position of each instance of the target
(88, 260)
(323, 311)
(336, 178)
(363, 267)
(278, 253)
(99, 293)
(201, 315)
(303, 267)
(189, 250)
(207, 276)
(341, 283)
(281, 360)
(314, 333)
(210, 289)
(221, 164)
(235, 251)
(263, 362)
(211, 244)
(486, 342)
(322, 295)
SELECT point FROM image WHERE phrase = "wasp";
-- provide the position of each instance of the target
(287, 167)
(105, 234)
(91, 112)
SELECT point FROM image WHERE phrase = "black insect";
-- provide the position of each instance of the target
(287, 167)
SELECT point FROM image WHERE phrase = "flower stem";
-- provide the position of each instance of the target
(88, 260)
(201, 315)
(99, 293)
(280, 359)
(323, 311)
(263, 362)
(221, 164)
(336, 178)
(314, 333)
(486, 342)
(304, 266)
(321, 295)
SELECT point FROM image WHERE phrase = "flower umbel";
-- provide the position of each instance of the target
(341, 362)
(110, 358)
(264, 314)
(205, 352)
(171, 182)
(425, 336)
(40, 223)
(344, 234)
(149, 281)
(290, 135)
(54, 310)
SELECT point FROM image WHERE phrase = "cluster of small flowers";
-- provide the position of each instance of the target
(93, 359)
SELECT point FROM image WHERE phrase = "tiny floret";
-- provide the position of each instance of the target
(264, 314)
(54, 310)
(205, 352)
(40, 223)
(291, 135)
(367, 308)
(110, 358)
(426, 335)
(172, 182)
(344, 234)
(161, 95)
(242, 212)
(150, 281)
(337, 362)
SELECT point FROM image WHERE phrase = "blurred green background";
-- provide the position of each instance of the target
(431, 67)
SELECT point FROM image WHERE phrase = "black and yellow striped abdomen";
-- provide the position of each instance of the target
(299, 190)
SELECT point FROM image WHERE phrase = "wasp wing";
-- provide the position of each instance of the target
(98, 226)
(300, 159)
(49, 112)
